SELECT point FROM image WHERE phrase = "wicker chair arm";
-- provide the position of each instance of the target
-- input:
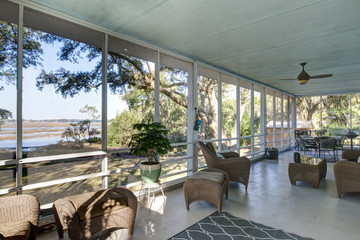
(20, 208)
(132, 204)
(230, 154)
(242, 161)
(350, 154)
(237, 168)
(64, 212)
(349, 173)
(347, 168)
(131, 198)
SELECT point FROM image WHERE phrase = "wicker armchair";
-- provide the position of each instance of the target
(224, 154)
(237, 167)
(87, 214)
(19, 217)
(347, 177)
(350, 155)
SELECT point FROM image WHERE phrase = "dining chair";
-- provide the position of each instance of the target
(327, 145)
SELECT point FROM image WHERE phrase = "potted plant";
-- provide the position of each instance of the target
(150, 141)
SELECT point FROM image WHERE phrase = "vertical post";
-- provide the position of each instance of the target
(252, 112)
(294, 118)
(263, 120)
(288, 121)
(220, 113)
(274, 119)
(104, 164)
(321, 112)
(238, 99)
(196, 105)
(282, 120)
(157, 86)
(350, 113)
(191, 146)
(19, 87)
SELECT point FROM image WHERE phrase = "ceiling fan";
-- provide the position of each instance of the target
(304, 77)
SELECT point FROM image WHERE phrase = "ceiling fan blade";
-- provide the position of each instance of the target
(321, 76)
(287, 79)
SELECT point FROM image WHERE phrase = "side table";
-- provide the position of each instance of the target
(149, 192)
(310, 169)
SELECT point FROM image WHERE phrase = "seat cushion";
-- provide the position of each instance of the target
(89, 205)
(213, 176)
(15, 230)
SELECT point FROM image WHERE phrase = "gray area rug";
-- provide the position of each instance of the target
(224, 226)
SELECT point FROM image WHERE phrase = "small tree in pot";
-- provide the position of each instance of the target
(150, 141)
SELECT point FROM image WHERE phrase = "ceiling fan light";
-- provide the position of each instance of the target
(303, 81)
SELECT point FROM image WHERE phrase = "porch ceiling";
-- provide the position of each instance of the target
(261, 40)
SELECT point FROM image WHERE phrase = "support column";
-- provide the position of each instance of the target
(19, 88)
(219, 113)
(252, 120)
(288, 121)
(157, 86)
(104, 164)
(274, 119)
(321, 112)
(192, 162)
(238, 98)
(351, 127)
(282, 120)
(294, 118)
(263, 120)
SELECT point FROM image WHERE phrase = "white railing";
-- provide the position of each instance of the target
(105, 173)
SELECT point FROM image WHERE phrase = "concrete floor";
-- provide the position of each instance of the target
(271, 200)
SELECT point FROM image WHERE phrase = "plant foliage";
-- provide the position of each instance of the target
(151, 141)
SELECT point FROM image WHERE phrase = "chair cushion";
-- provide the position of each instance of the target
(89, 205)
(213, 176)
(220, 156)
(15, 230)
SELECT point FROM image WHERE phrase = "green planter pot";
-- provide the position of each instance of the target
(150, 173)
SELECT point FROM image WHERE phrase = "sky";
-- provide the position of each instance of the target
(46, 104)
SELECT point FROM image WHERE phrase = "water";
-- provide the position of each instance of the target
(47, 136)
(31, 142)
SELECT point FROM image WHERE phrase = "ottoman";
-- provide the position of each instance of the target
(208, 185)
